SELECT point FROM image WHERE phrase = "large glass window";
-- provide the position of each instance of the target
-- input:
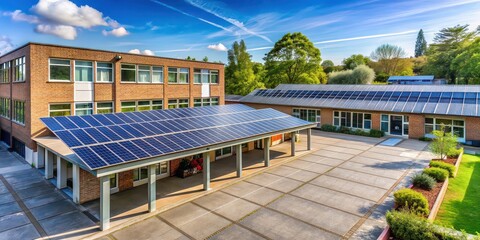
(157, 104)
(140, 174)
(143, 105)
(384, 123)
(104, 107)
(457, 126)
(18, 114)
(113, 180)
(128, 107)
(129, 73)
(157, 74)
(60, 109)
(19, 70)
(205, 76)
(104, 72)
(214, 76)
(352, 120)
(4, 75)
(5, 107)
(144, 74)
(200, 102)
(178, 75)
(310, 115)
(59, 70)
(177, 103)
(83, 71)
(83, 109)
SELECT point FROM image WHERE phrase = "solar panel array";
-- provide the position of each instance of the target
(110, 139)
(450, 102)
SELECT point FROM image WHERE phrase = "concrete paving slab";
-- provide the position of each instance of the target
(309, 166)
(349, 187)
(35, 191)
(53, 209)
(282, 170)
(152, 228)
(42, 199)
(6, 198)
(40, 184)
(332, 154)
(25, 232)
(285, 185)
(302, 175)
(370, 230)
(322, 160)
(264, 179)
(60, 226)
(235, 232)
(27, 184)
(184, 214)
(241, 189)
(9, 208)
(279, 226)
(262, 196)
(338, 222)
(343, 150)
(364, 178)
(331, 198)
(384, 164)
(215, 200)
(237, 209)
(385, 156)
(13, 220)
(359, 167)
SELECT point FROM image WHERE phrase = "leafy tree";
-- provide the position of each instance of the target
(205, 59)
(443, 142)
(360, 75)
(418, 64)
(420, 45)
(328, 66)
(355, 60)
(190, 58)
(327, 63)
(467, 64)
(388, 58)
(240, 76)
(448, 43)
(294, 59)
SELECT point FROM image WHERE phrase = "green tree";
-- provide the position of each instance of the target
(448, 43)
(190, 58)
(443, 142)
(355, 60)
(328, 66)
(388, 58)
(467, 64)
(362, 74)
(420, 45)
(240, 77)
(294, 59)
(205, 59)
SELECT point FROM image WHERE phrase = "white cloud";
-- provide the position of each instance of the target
(117, 32)
(144, 52)
(62, 18)
(218, 47)
(62, 31)
(5, 45)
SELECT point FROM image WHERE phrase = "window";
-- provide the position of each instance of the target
(59, 70)
(5, 107)
(4, 74)
(61, 109)
(200, 102)
(177, 103)
(223, 152)
(214, 76)
(310, 115)
(113, 180)
(129, 73)
(451, 125)
(201, 76)
(105, 107)
(178, 75)
(140, 174)
(384, 122)
(18, 114)
(157, 104)
(104, 72)
(143, 106)
(128, 107)
(352, 120)
(405, 125)
(144, 74)
(157, 74)
(83, 109)
(19, 70)
(83, 71)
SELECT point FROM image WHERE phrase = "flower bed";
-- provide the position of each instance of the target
(189, 167)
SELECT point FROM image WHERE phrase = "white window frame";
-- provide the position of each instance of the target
(6, 103)
(178, 72)
(213, 73)
(318, 113)
(211, 101)
(128, 69)
(112, 71)
(75, 108)
(149, 80)
(460, 139)
(116, 188)
(177, 103)
(55, 64)
(14, 112)
(339, 119)
(50, 111)
(82, 66)
(404, 122)
(19, 66)
(5, 72)
(223, 155)
(158, 69)
(97, 108)
(158, 176)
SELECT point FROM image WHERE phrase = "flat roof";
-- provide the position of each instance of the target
(108, 141)
(455, 100)
(411, 78)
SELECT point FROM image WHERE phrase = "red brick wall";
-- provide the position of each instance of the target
(472, 128)
(89, 187)
(125, 180)
(174, 164)
(416, 124)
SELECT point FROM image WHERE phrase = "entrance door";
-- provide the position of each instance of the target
(396, 125)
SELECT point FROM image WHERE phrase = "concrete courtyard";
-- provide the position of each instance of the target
(340, 190)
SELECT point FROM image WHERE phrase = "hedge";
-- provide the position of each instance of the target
(411, 200)
(346, 130)
(443, 165)
(439, 174)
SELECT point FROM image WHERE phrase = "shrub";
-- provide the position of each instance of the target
(443, 165)
(424, 181)
(439, 174)
(328, 128)
(344, 130)
(425, 139)
(454, 152)
(376, 133)
(360, 132)
(411, 200)
(359, 75)
(443, 142)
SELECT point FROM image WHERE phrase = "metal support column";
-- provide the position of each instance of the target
(239, 159)
(206, 171)
(266, 151)
(48, 164)
(76, 183)
(309, 139)
(104, 203)
(40, 157)
(152, 188)
(293, 143)
(61, 173)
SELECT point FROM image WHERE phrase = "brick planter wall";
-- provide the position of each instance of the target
(125, 180)
(89, 187)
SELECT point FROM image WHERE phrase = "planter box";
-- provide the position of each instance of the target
(438, 201)
(188, 173)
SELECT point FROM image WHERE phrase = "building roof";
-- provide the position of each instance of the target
(411, 78)
(107, 140)
(233, 98)
(457, 100)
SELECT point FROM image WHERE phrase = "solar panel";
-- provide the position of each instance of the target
(114, 139)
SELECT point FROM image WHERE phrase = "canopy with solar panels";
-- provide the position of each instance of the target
(104, 140)
(456, 100)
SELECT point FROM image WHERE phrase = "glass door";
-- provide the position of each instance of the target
(396, 125)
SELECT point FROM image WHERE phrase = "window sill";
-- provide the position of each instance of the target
(59, 81)
(19, 82)
(178, 83)
(105, 82)
(19, 123)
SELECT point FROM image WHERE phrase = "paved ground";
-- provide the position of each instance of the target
(31, 207)
(341, 190)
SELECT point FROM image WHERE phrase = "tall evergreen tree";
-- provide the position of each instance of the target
(240, 76)
(420, 45)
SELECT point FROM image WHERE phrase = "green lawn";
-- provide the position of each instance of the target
(461, 207)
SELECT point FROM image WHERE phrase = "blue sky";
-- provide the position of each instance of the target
(199, 28)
